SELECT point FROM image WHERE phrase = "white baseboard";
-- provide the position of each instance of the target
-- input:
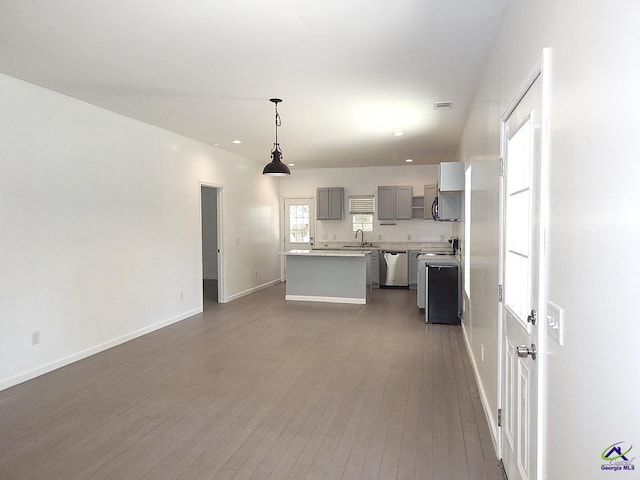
(69, 359)
(244, 293)
(493, 427)
(306, 298)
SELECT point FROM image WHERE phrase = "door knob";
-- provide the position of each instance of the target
(524, 351)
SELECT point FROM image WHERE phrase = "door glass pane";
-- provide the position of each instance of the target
(299, 224)
(518, 224)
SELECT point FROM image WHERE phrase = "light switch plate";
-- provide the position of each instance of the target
(555, 322)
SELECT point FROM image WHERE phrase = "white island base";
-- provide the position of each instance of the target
(328, 276)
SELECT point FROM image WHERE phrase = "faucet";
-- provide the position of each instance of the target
(454, 242)
(362, 241)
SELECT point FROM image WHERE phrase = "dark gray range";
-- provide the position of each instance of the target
(439, 288)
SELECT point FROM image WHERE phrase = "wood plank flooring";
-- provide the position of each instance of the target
(260, 389)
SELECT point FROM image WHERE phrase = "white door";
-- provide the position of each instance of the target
(520, 263)
(299, 223)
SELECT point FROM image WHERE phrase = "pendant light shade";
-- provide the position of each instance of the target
(276, 168)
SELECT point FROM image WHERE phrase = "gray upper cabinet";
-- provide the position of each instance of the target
(404, 203)
(330, 203)
(451, 176)
(395, 202)
(386, 203)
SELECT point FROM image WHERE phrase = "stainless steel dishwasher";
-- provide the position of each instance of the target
(394, 268)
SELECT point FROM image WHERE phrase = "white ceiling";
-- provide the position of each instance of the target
(350, 72)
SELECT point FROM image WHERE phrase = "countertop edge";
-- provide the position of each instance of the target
(326, 253)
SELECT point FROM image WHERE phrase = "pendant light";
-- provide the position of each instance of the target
(276, 168)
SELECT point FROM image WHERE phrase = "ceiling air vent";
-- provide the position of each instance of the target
(442, 105)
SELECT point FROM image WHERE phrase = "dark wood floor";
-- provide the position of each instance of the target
(260, 388)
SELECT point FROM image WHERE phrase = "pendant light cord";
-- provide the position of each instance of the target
(278, 121)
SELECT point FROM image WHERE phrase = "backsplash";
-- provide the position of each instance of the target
(415, 230)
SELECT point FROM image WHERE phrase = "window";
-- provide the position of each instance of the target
(362, 221)
(361, 208)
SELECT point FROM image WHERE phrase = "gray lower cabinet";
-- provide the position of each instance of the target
(330, 203)
(395, 202)
(413, 269)
(375, 268)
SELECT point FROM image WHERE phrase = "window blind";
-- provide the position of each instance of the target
(361, 204)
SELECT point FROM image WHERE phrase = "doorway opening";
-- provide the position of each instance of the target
(211, 213)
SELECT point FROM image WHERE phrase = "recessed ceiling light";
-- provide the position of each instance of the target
(291, 164)
(236, 141)
(398, 134)
(409, 160)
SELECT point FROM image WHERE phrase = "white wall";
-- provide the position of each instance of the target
(209, 233)
(365, 181)
(100, 219)
(593, 391)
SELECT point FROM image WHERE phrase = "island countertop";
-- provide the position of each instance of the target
(327, 253)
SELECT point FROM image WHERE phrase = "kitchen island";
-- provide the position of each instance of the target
(335, 276)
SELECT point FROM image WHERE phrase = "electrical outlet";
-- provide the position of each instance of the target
(555, 322)
(379, 237)
(237, 240)
(334, 237)
(256, 274)
(35, 337)
(181, 295)
(408, 237)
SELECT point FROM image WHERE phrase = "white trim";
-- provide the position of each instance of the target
(220, 239)
(69, 359)
(308, 298)
(249, 291)
(543, 256)
(487, 407)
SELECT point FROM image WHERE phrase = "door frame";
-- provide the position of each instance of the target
(542, 71)
(220, 236)
(283, 223)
